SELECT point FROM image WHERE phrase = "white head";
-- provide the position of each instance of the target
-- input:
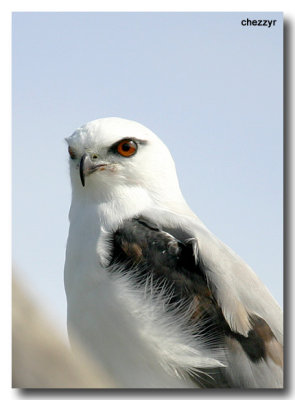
(110, 156)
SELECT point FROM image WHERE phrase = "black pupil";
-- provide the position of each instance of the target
(126, 146)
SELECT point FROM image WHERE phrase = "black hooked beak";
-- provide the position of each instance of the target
(88, 165)
(81, 169)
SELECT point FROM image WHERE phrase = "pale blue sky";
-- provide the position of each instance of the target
(209, 87)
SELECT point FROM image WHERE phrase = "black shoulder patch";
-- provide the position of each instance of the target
(139, 246)
(142, 248)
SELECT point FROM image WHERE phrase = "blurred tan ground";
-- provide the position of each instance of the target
(40, 358)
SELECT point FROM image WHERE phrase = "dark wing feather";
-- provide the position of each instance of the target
(141, 247)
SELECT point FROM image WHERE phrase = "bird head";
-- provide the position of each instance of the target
(111, 153)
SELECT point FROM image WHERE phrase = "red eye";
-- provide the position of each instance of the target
(71, 153)
(127, 148)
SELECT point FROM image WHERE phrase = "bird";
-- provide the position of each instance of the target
(152, 294)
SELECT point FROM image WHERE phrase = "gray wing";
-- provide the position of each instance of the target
(250, 312)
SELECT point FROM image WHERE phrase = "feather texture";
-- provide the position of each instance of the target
(152, 293)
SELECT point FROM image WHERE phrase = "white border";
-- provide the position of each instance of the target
(287, 6)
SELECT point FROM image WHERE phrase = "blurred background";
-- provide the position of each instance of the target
(212, 90)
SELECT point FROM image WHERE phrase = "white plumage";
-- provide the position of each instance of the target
(124, 319)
